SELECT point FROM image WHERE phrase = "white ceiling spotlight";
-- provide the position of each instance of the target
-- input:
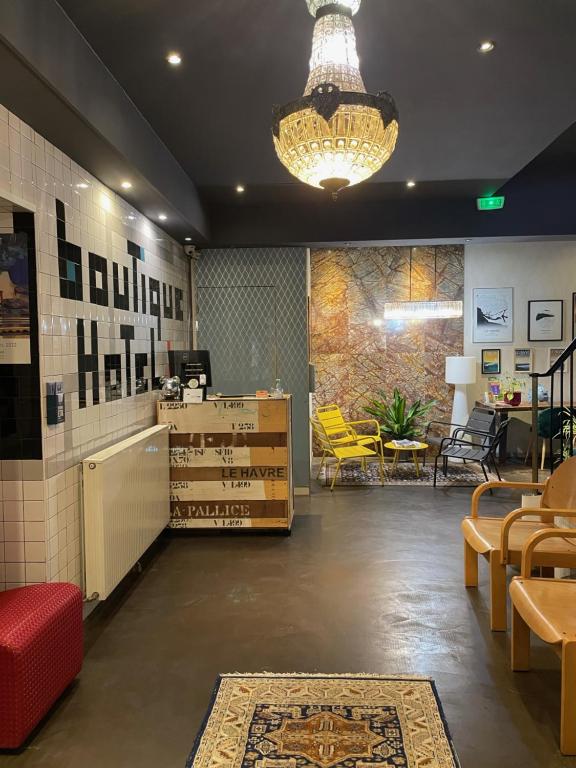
(486, 46)
(126, 185)
(162, 216)
(188, 239)
(174, 59)
(240, 188)
(410, 184)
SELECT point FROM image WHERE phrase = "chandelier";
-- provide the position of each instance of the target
(336, 135)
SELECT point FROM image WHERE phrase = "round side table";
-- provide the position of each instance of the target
(398, 449)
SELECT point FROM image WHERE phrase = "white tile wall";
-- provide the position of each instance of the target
(40, 502)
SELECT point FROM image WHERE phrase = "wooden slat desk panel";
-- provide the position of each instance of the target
(230, 463)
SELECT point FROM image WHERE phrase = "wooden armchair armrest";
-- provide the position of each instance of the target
(517, 514)
(481, 489)
(538, 538)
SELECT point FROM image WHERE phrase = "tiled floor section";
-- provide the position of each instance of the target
(370, 580)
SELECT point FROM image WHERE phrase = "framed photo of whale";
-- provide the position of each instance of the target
(493, 315)
(546, 320)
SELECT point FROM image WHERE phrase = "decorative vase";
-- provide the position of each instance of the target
(513, 398)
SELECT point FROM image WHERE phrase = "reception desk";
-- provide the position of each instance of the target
(230, 463)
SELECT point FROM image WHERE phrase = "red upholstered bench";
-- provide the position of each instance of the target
(40, 654)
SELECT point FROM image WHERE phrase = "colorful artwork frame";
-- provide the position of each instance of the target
(523, 360)
(493, 315)
(491, 362)
(546, 320)
(553, 355)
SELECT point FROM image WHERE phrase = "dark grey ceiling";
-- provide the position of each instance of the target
(463, 116)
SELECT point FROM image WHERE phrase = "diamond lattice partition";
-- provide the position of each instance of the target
(253, 317)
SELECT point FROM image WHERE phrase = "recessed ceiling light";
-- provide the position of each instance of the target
(486, 46)
(188, 239)
(410, 184)
(82, 185)
(126, 185)
(240, 188)
(162, 216)
(174, 59)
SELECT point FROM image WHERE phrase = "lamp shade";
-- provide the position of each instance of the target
(460, 370)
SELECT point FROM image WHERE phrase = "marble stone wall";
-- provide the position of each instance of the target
(355, 358)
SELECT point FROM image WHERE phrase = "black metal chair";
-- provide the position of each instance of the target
(481, 451)
(481, 422)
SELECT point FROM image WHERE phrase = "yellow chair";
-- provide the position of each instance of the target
(333, 422)
(500, 540)
(546, 606)
(338, 446)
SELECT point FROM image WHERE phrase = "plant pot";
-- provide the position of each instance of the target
(513, 399)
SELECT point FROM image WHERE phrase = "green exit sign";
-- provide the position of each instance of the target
(490, 203)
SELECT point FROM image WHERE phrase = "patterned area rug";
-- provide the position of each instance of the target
(323, 721)
(405, 474)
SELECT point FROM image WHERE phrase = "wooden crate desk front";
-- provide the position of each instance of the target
(230, 463)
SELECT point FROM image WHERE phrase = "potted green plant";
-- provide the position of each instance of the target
(512, 390)
(569, 433)
(396, 418)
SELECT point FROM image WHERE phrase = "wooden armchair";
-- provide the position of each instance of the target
(336, 446)
(546, 606)
(500, 540)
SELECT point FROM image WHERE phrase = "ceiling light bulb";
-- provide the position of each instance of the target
(82, 185)
(486, 46)
(188, 239)
(126, 185)
(410, 184)
(240, 188)
(162, 217)
(174, 59)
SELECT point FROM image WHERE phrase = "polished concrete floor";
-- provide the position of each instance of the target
(369, 581)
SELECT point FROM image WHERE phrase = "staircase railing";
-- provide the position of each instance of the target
(561, 403)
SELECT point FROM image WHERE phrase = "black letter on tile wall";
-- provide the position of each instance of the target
(87, 363)
(121, 300)
(178, 297)
(98, 266)
(69, 259)
(167, 300)
(127, 333)
(154, 287)
(113, 388)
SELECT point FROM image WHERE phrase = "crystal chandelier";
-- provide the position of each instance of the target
(336, 134)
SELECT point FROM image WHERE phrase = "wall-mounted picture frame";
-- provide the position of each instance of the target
(523, 360)
(491, 362)
(574, 315)
(553, 355)
(493, 315)
(546, 320)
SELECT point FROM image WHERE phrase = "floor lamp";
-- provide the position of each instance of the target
(460, 371)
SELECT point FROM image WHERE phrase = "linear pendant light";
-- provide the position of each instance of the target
(431, 309)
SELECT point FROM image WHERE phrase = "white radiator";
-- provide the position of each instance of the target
(126, 505)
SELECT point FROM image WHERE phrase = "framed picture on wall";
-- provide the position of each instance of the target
(546, 320)
(523, 360)
(553, 355)
(493, 316)
(491, 362)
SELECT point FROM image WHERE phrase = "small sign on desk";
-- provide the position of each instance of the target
(193, 395)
